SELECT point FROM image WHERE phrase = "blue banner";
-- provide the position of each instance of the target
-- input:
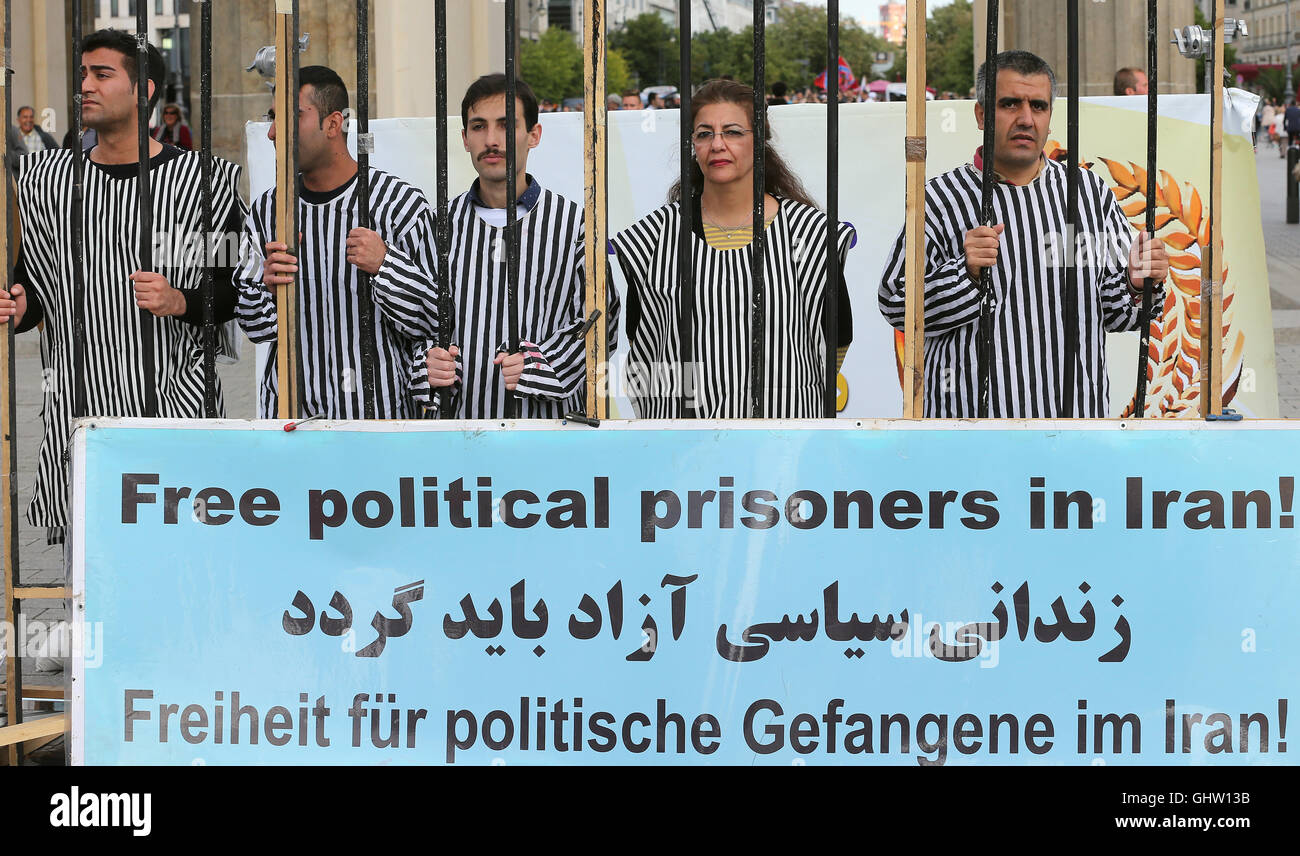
(660, 594)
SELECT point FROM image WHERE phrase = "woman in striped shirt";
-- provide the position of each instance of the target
(793, 380)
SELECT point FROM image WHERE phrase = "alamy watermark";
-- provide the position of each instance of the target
(32, 638)
(185, 249)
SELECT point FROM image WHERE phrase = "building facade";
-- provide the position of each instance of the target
(169, 31)
(1111, 36)
(1270, 31)
(706, 15)
(893, 22)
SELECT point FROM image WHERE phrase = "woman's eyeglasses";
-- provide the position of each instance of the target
(704, 136)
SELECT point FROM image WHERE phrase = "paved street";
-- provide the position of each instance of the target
(42, 564)
(1282, 243)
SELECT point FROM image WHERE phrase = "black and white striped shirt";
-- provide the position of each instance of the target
(329, 314)
(794, 361)
(115, 379)
(551, 303)
(1028, 370)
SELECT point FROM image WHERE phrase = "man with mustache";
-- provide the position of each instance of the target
(548, 372)
(1028, 253)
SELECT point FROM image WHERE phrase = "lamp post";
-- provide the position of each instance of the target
(1289, 91)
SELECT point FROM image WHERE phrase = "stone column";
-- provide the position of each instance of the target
(40, 63)
(240, 27)
(404, 67)
(1111, 36)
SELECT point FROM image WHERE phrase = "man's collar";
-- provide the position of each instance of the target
(1001, 179)
(526, 201)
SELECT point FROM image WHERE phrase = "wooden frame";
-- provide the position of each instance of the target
(596, 131)
(286, 209)
(8, 490)
(914, 266)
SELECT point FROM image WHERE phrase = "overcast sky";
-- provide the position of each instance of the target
(868, 11)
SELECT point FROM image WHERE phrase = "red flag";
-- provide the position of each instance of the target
(847, 80)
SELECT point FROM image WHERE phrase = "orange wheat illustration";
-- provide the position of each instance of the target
(1182, 222)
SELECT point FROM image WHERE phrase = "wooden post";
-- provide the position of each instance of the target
(35, 729)
(594, 211)
(9, 426)
(914, 146)
(286, 209)
(1212, 265)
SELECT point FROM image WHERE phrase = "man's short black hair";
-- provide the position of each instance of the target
(490, 85)
(1021, 62)
(329, 95)
(779, 89)
(124, 43)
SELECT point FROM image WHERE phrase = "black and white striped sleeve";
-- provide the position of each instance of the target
(1121, 307)
(952, 298)
(424, 395)
(556, 366)
(405, 287)
(256, 307)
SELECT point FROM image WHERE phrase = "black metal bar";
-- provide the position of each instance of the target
(831, 315)
(77, 216)
(445, 322)
(365, 297)
(1070, 395)
(205, 162)
(1148, 286)
(984, 341)
(512, 237)
(686, 210)
(144, 200)
(758, 308)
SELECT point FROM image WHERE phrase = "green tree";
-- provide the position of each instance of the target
(649, 46)
(795, 49)
(949, 50)
(617, 75)
(552, 65)
(796, 46)
(721, 52)
(1272, 81)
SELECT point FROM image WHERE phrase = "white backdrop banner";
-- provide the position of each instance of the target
(643, 163)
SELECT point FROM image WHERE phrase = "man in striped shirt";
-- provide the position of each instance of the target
(398, 254)
(1028, 253)
(548, 372)
(128, 341)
